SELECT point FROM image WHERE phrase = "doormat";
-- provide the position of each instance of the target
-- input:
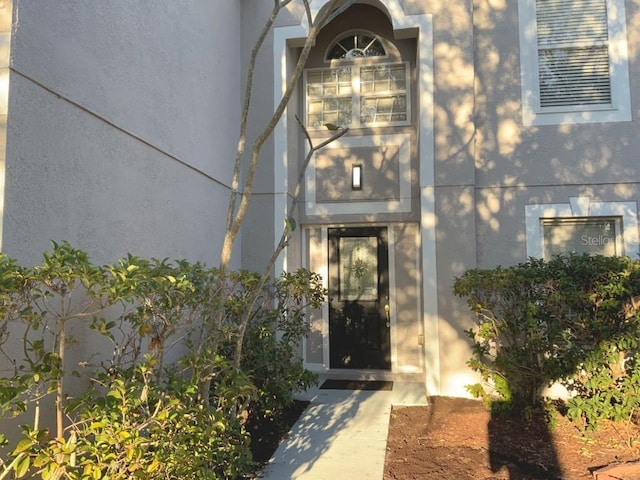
(356, 385)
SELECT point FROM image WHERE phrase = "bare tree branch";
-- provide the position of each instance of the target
(338, 10)
(286, 233)
(231, 234)
(233, 226)
(235, 182)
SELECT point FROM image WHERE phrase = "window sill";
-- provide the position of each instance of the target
(562, 116)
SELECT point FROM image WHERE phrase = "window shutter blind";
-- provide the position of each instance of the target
(573, 52)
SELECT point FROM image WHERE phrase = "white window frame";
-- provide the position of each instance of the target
(620, 108)
(356, 94)
(583, 207)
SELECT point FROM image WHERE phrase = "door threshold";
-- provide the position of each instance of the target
(354, 374)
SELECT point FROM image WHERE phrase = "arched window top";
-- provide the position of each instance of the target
(357, 44)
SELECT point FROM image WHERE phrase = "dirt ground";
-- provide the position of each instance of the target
(456, 438)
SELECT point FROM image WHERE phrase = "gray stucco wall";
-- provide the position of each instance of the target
(6, 14)
(121, 134)
(259, 231)
(122, 124)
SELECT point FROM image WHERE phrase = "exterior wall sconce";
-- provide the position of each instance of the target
(356, 177)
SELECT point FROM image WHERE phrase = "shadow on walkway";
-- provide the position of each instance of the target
(339, 435)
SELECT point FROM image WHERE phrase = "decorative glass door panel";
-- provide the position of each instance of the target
(358, 268)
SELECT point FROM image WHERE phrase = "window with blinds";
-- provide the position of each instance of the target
(574, 64)
(358, 96)
(573, 52)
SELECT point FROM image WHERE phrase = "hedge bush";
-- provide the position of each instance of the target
(574, 320)
(164, 397)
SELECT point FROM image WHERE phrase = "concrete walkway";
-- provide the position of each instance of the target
(341, 435)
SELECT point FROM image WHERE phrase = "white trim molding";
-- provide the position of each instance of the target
(402, 204)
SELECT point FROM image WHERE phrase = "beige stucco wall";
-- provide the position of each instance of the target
(487, 167)
(445, 168)
(407, 332)
(454, 178)
(316, 261)
(119, 140)
(517, 165)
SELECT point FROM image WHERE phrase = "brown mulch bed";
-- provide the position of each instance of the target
(455, 438)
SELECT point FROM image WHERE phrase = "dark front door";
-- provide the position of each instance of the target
(359, 334)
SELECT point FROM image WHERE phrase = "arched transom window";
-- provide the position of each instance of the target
(356, 45)
(360, 89)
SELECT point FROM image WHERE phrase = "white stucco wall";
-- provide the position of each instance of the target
(122, 127)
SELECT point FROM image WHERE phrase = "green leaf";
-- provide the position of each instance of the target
(290, 223)
(115, 394)
(22, 446)
(40, 460)
(22, 467)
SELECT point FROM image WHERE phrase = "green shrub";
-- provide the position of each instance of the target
(271, 356)
(573, 319)
(142, 430)
(143, 416)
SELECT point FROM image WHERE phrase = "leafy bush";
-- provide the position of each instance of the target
(270, 347)
(574, 319)
(138, 429)
(144, 416)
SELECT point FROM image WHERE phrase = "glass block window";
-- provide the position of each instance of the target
(383, 91)
(329, 96)
(358, 96)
